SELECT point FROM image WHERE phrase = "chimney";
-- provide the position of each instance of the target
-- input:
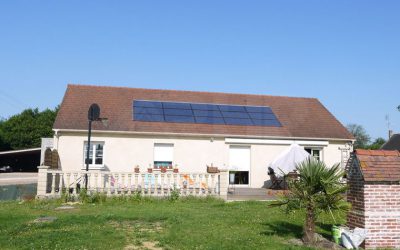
(390, 134)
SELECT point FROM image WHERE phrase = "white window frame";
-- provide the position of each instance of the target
(321, 157)
(93, 166)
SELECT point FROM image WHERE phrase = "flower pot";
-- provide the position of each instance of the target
(150, 170)
(137, 169)
(176, 170)
(336, 234)
(163, 170)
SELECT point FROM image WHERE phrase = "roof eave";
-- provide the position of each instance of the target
(201, 135)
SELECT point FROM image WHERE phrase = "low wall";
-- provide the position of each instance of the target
(52, 183)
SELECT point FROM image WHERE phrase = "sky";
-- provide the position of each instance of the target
(346, 53)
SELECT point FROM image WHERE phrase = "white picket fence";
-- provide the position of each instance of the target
(51, 183)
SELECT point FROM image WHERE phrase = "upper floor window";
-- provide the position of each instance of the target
(163, 155)
(315, 153)
(95, 154)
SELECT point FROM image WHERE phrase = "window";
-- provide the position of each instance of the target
(95, 154)
(314, 152)
(239, 164)
(163, 155)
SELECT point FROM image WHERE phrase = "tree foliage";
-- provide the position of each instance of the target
(318, 189)
(26, 129)
(362, 138)
(377, 144)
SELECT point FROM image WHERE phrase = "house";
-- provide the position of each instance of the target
(393, 143)
(374, 193)
(191, 130)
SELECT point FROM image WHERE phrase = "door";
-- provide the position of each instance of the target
(239, 165)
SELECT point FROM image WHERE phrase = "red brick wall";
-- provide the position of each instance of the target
(355, 195)
(376, 207)
(382, 215)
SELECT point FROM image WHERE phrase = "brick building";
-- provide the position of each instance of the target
(374, 192)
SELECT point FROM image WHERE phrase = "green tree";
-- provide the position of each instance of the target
(362, 138)
(318, 189)
(377, 144)
(26, 129)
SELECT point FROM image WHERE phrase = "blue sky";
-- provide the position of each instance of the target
(345, 53)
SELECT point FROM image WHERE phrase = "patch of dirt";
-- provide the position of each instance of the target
(147, 245)
(322, 243)
(135, 230)
(138, 226)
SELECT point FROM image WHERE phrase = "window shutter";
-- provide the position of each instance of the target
(239, 158)
(163, 152)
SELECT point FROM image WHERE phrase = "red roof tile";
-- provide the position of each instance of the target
(379, 165)
(300, 117)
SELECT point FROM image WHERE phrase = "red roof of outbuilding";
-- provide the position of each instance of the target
(379, 165)
(300, 117)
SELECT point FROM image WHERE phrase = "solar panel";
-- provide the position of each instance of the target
(152, 111)
(262, 116)
(197, 106)
(219, 114)
(149, 118)
(185, 112)
(209, 113)
(148, 104)
(232, 108)
(176, 105)
(259, 109)
(242, 115)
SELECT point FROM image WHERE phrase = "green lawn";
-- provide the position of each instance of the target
(183, 224)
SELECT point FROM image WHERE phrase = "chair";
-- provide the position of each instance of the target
(276, 182)
(291, 176)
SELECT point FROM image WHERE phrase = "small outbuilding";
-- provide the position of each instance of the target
(374, 192)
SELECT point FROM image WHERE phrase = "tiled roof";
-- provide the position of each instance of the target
(379, 165)
(300, 117)
(393, 143)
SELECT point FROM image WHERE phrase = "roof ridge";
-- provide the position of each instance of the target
(378, 152)
(190, 91)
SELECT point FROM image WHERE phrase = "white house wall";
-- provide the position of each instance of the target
(192, 154)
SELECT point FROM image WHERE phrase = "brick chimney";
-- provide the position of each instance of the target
(390, 133)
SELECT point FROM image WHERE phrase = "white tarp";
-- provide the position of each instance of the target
(288, 159)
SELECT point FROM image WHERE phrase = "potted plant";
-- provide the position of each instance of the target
(137, 169)
(163, 169)
(150, 169)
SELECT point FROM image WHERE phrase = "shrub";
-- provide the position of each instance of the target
(175, 194)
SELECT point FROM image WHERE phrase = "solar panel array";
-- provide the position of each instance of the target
(222, 114)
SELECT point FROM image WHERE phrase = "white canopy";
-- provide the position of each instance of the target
(288, 159)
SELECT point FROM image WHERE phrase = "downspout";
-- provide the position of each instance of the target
(56, 138)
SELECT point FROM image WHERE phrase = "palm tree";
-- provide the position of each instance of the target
(318, 189)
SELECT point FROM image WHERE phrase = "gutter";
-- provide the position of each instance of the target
(59, 131)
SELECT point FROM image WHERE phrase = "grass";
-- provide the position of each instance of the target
(184, 224)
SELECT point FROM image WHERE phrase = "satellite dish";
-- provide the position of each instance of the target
(94, 112)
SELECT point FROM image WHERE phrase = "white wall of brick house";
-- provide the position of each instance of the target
(122, 152)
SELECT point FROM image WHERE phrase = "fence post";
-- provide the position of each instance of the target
(223, 183)
(42, 181)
